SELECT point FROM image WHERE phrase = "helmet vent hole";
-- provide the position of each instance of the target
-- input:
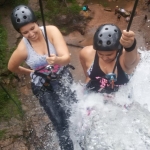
(100, 35)
(16, 15)
(18, 20)
(22, 11)
(115, 30)
(109, 35)
(106, 28)
(108, 42)
(100, 42)
(24, 17)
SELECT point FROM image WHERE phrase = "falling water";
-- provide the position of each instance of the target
(119, 123)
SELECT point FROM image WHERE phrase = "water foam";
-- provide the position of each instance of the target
(120, 123)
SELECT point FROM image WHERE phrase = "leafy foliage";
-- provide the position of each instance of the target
(2, 134)
(13, 2)
(102, 2)
(3, 48)
(56, 8)
(8, 108)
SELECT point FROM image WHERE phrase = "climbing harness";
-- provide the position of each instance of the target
(49, 77)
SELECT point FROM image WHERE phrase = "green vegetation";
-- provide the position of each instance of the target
(12, 2)
(18, 2)
(3, 48)
(8, 108)
(55, 9)
(2, 134)
(104, 3)
(4, 52)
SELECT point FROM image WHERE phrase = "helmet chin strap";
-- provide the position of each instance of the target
(111, 77)
(43, 20)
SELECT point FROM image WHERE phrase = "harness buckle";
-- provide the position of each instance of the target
(111, 77)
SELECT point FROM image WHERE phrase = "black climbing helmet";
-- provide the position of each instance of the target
(21, 16)
(107, 38)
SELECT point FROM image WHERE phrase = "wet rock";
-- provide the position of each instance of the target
(107, 9)
(14, 83)
(18, 36)
(6, 142)
(64, 19)
(81, 2)
(19, 146)
(3, 125)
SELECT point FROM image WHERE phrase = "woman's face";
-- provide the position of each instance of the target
(107, 56)
(30, 31)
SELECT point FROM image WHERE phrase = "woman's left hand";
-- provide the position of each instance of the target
(52, 59)
(127, 38)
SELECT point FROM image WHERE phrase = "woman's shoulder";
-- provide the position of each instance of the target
(53, 31)
(21, 45)
(51, 27)
(20, 52)
(87, 51)
(21, 48)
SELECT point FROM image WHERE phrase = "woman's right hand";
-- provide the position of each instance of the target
(52, 60)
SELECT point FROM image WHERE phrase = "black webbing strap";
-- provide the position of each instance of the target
(43, 20)
(128, 28)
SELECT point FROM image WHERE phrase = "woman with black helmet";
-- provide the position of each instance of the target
(47, 83)
(111, 59)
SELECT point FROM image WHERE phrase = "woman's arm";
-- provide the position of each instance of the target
(18, 56)
(86, 56)
(130, 57)
(63, 55)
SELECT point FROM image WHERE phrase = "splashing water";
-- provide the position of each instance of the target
(120, 122)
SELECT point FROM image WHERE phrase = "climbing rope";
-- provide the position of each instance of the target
(43, 20)
(111, 76)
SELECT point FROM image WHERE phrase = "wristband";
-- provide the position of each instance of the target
(132, 47)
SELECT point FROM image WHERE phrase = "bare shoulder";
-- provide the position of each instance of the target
(87, 52)
(52, 28)
(87, 56)
(54, 34)
(21, 50)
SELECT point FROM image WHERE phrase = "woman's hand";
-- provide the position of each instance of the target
(52, 60)
(127, 38)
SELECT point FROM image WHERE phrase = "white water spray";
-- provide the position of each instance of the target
(118, 123)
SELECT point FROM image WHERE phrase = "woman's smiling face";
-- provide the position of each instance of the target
(30, 31)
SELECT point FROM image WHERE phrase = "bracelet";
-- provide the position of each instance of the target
(132, 47)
